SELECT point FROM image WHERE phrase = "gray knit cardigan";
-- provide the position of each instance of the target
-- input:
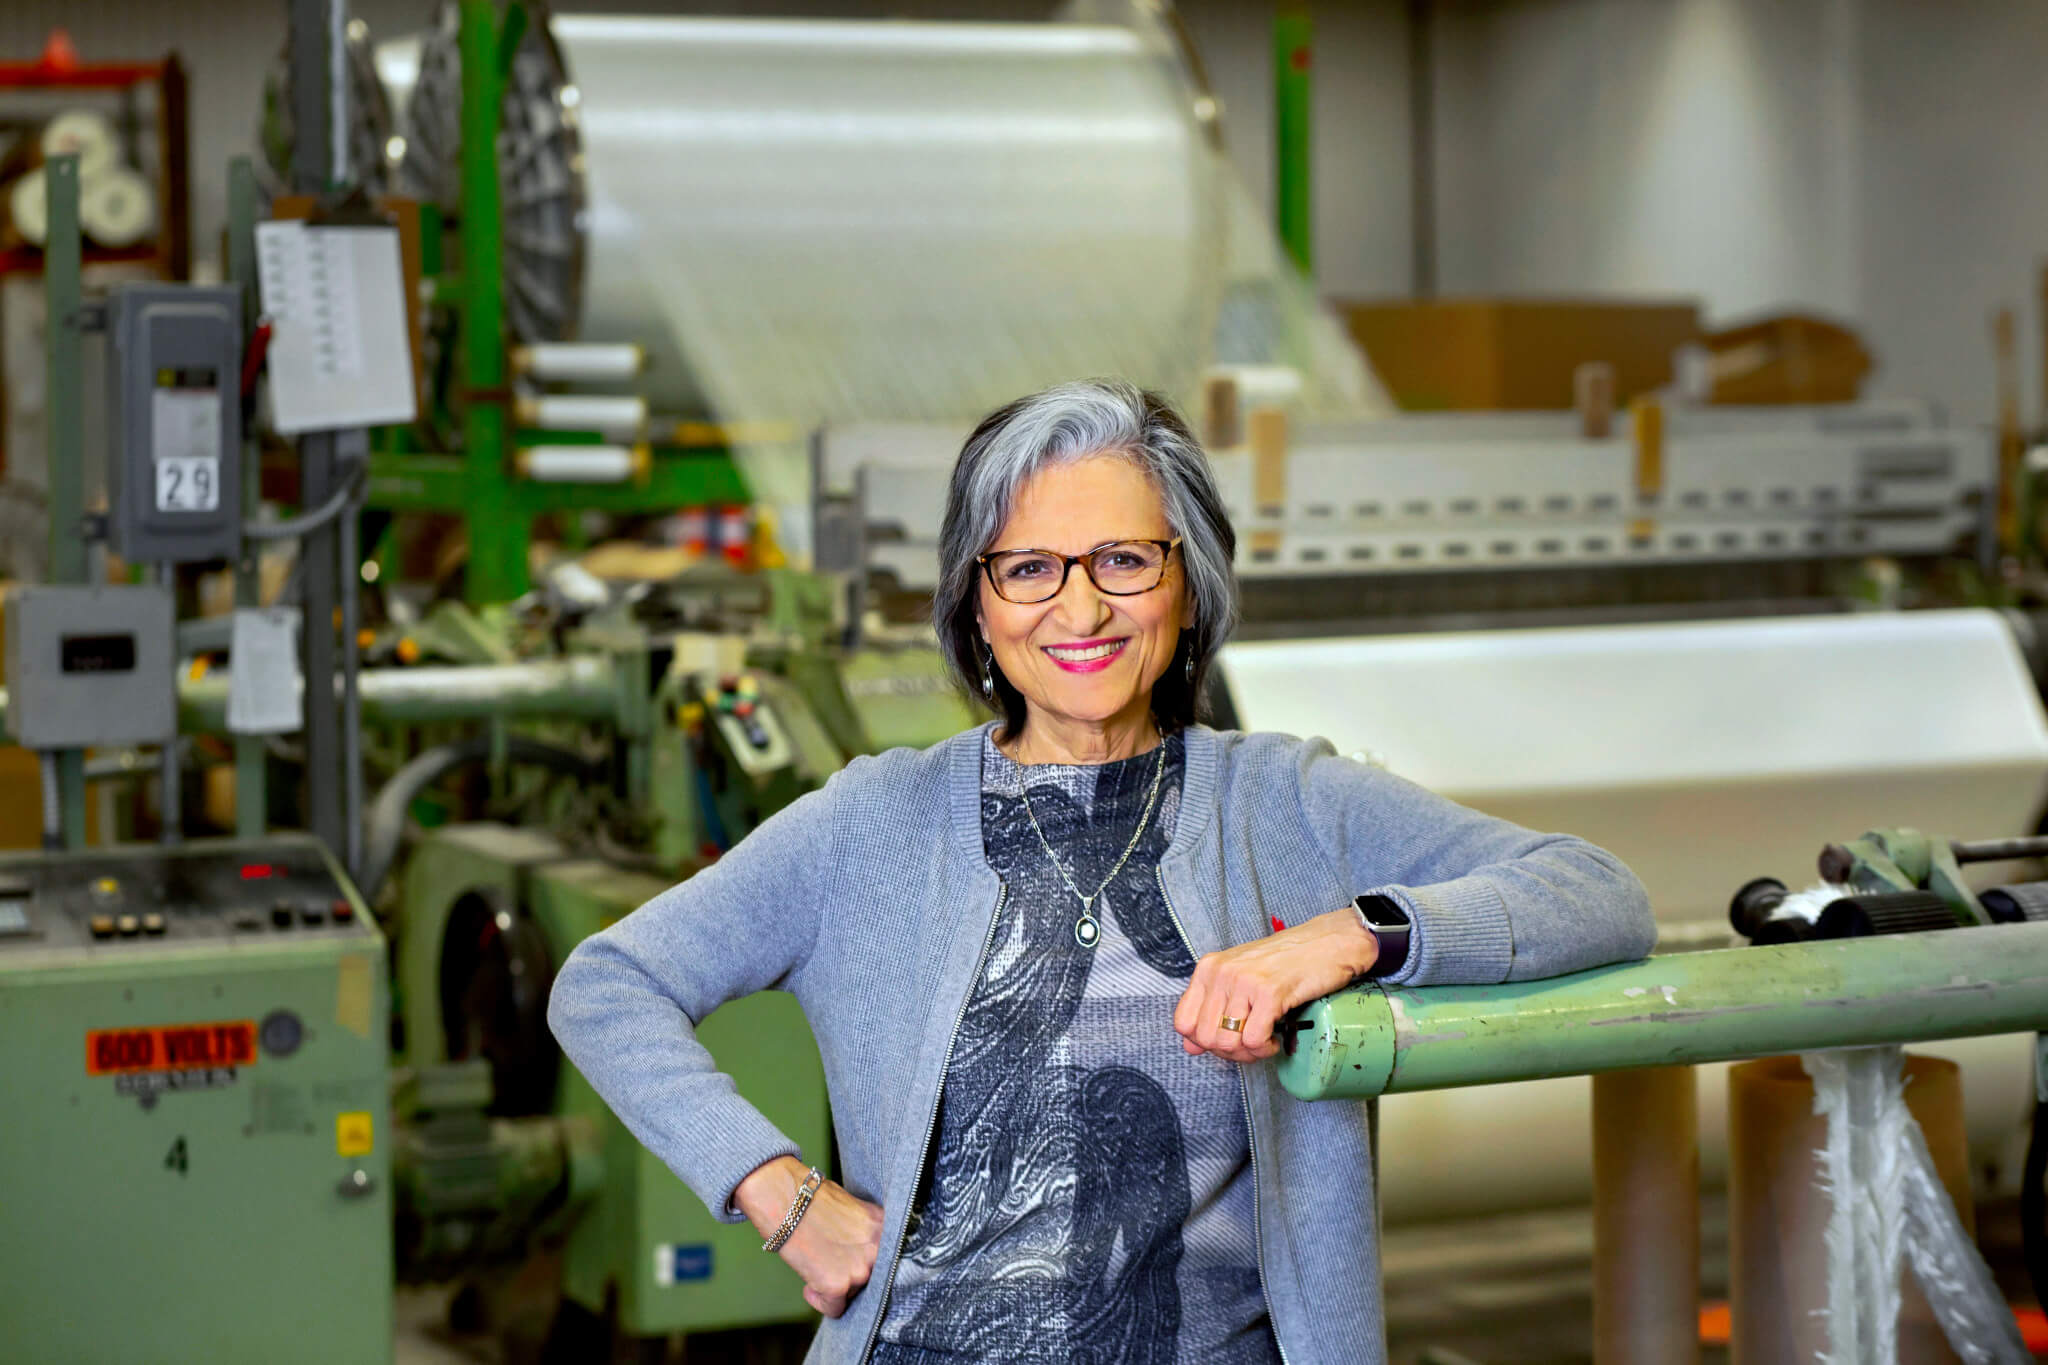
(872, 902)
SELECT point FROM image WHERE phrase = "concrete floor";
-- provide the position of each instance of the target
(1516, 1289)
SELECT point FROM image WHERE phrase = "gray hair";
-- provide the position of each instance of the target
(1062, 425)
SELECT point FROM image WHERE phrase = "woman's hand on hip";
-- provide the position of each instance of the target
(1260, 981)
(833, 1249)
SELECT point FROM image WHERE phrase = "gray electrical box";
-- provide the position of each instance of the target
(174, 470)
(90, 665)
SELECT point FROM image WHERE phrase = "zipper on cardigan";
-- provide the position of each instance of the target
(1251, 1138)
(932, 1124)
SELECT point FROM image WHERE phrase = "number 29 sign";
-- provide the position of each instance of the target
(186, 426)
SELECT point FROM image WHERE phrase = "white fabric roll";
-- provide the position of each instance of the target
(86, 134)
(818, 221)
(116, 207)
(28, 207)
(1702, 753)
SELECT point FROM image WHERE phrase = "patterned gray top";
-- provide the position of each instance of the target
(1089, 1196)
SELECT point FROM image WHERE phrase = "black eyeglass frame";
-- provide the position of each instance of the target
(1086, 560)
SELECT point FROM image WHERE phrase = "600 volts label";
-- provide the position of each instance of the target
(170, 1047)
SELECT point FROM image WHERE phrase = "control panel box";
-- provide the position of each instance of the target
(174, 480)
(90, 665)
(197, 1153)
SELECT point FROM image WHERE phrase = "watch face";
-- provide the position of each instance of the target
(1382, 912)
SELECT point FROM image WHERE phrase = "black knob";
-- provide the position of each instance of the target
(313, 912)
(1836, 863)
(1751, 907)
(1886, 912)
(2025, 903)
(281, 914)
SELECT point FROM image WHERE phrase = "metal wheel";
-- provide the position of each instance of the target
(540, 169)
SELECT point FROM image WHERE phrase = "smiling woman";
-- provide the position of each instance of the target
(1088, 667)
(1044, 958)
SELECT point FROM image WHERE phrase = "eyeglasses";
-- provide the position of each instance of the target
(1122, 568)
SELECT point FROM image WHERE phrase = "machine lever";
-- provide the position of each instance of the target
(1999, 850)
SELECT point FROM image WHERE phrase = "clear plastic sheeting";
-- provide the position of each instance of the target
(1887, 1207)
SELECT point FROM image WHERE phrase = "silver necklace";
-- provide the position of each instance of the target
(1087, 932)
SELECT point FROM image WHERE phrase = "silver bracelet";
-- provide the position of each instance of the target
(797, 1206)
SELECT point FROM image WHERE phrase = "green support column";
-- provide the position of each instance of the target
(251, 790)
(1293, 92)
(64, 426)
(1675, 1010)
(497, 538)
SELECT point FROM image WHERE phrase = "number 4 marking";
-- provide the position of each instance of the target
(175, 1159)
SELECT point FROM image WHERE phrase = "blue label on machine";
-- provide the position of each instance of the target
(676, 1262)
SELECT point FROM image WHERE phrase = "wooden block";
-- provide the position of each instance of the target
(1646, 421)
(1266, 432)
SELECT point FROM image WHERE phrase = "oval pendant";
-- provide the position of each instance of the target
(1086, 931)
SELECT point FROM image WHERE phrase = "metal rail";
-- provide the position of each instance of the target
(584, 687)
(1672, 1010)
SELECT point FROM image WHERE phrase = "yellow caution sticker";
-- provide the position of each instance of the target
(353, 1133)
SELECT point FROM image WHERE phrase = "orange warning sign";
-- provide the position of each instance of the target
(170, 1047)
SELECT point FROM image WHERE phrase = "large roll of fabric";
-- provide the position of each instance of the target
(824, 221)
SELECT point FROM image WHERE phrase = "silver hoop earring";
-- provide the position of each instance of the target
(988, 682)
(1191, 666)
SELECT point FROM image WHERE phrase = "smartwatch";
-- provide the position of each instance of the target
(1388, 923)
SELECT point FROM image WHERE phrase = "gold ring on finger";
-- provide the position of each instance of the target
(1232, 1025)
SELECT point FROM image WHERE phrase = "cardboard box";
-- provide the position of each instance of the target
(1789, 358)
(1516, 354)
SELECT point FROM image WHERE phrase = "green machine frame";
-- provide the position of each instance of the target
(480, 484)
(642, 1243)
(240, 1212)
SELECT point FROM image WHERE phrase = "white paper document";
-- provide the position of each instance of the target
(340, 352)
(263, 681)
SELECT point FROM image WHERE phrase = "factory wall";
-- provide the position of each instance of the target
(1874, 159)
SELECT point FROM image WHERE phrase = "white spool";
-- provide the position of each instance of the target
(584, 464)
(576, 362)
(86, 134)
(624, 415)
(116, 207)
(28, 207)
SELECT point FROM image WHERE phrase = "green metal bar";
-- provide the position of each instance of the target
(1675, 1010)
(1293, 97)
(64, 402)
(497, 538)
(252, 796)
(64, 423)
(424, 483)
